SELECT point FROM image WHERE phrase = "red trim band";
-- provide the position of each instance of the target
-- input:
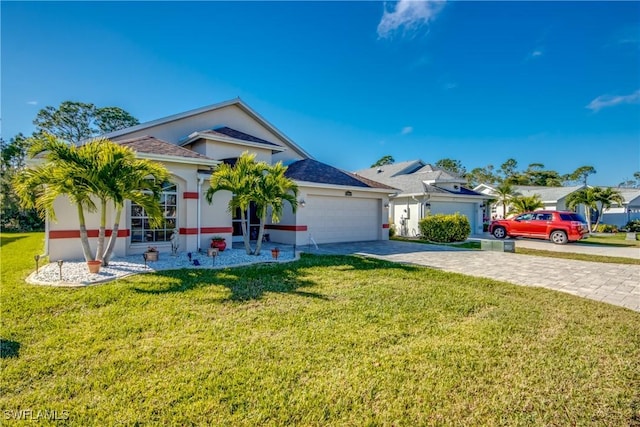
(190, 195)
(385, 225)
(75, 234)
(213, 230)
(286, 227)
(188, 231)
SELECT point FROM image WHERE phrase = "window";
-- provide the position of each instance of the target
(141, 231)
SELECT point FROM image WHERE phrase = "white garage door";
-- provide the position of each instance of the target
(342, 219)
(466, 209)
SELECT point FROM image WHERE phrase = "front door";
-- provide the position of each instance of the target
(254, 223)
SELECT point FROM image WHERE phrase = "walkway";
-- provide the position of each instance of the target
(617, 284)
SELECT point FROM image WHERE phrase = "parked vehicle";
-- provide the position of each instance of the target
(560, 227)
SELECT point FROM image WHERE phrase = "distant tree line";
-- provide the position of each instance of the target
(509, 174)
(72, 122)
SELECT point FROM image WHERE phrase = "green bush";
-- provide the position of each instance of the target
(443, 228)
(607, 228)
(392, 230)
(633, 226)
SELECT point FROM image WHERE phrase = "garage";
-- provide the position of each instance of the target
(342, 219)
(448, 208)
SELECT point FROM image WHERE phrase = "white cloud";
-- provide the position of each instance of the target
(536, 53)
(604, 101)
(406, 130)
(32, 102)
(450, 85)
(408, 14)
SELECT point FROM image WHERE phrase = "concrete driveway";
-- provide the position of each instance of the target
(617, 284)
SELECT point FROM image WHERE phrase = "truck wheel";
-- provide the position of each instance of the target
(499, 233)
(559, 237)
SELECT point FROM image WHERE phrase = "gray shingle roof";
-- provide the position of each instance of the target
(547, 194)
(314, 171)
(152, 145)
(236, 134)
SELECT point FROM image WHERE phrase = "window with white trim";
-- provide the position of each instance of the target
(141, 230)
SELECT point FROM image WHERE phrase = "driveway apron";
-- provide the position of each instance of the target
(617, 284)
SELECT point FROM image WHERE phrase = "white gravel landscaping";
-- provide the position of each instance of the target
(75, 272)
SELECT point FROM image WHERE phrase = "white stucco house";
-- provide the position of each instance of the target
(620, 215)
(334, 205)
(424, 189)
(553, 198)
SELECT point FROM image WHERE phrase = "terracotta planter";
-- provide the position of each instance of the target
(152, 256)
(275, 253)
(94, 266)
(221, 245)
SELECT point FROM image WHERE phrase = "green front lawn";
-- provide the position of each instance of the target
(613, 239)
(323, 341)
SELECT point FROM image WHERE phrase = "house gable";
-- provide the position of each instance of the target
(234, 115)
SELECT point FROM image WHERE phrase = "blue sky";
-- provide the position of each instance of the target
(556, 83)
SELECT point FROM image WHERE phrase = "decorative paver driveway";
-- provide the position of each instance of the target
(617, 284)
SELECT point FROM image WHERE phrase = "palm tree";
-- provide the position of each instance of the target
(605, 197)
(521, 204)
(273, 189)
(65, 172)
(100, 170)
(586, 197)
(241, 180)
(504, 193)
(119, 176)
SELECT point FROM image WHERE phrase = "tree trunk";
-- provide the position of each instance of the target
(587, 216)
(245, 234)
(103, 228)
(112, 240)
(263, 219)
(84, 237)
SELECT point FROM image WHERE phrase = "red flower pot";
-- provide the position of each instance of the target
(221, 245)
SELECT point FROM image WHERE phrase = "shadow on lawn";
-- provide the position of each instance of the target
(5, 238)
(9, 348)
(248, 283)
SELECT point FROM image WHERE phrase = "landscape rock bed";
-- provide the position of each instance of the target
(75, 272)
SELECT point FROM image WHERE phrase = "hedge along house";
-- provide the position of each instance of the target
(334, 205)
(423, 190)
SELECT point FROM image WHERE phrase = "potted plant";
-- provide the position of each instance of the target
(275, 253)
(152, 253)
(219, 243)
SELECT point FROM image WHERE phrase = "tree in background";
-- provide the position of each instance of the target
(631, 183)
(521, 204)
(484, 175)
(504, 193)
(76, 121)
(581, 174)
(605, 198)
(535, 174)
(454, 166)
(12, 216)
(587, 197)
(508, 170)
(385, 160)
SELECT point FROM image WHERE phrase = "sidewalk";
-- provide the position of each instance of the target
(580, 248)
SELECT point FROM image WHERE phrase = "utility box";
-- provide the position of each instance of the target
(498, 245)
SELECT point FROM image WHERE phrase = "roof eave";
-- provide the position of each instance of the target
(177, 159)
(197, 135)
(341, 187)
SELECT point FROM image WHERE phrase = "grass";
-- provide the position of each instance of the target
(539, 252)
(323, 341)
(577, 256)
(613, 239)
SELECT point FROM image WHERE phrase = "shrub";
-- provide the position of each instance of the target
(392, 230)
(633, 226)
(607, 228)
(445, 228)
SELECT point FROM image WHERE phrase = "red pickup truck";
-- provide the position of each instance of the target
(558, 226)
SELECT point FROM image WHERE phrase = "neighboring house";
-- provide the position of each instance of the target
(334, 205)
(630, 209)
(423, 190)
(553, 198)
